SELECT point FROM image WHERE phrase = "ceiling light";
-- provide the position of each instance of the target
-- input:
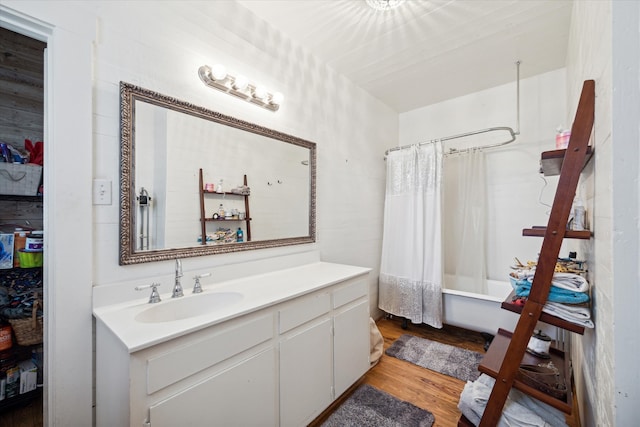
(384, 4)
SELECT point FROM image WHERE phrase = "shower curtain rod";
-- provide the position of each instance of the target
(476, 132)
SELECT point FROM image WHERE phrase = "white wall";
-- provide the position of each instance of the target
(514, 185)
(626, 208)
(605, 46)
(67, 202)
(350, 127)
(160, 46)
(590, 58)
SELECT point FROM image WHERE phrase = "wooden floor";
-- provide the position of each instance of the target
(435, 392)
(26, 415)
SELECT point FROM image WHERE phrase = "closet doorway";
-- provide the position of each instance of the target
(21, 215)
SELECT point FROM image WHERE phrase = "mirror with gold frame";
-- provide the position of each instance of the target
(171, 151)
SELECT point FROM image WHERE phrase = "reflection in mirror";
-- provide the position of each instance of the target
(165, 213)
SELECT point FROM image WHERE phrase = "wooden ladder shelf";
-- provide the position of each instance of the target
(507, 351)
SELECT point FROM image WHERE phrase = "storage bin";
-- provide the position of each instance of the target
(28, 331)
(19, 179)
(30, 259)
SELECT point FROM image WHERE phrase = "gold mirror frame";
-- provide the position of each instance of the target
(129, 94)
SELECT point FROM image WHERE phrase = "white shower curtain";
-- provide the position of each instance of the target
(410, 283)
(465, 222)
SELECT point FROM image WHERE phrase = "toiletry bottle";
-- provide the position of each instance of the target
(221, 211)
(5, 336)
(578, 215)
(19, 242)
(220, 189)
(562, 138)
(9, 374)
(239, 235)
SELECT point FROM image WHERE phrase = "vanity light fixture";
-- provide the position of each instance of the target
(217, 77)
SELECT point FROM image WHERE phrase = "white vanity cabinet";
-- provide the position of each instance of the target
(242, 395)
(209, 377)
(282, 363)
(351, 334)
(306, 359)
(324, 349)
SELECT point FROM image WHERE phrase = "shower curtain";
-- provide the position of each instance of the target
(465, 223)
(410, 283)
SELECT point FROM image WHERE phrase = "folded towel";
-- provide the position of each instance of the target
(579, 315)
(556, 294)
(519, 409)
(569, 281)
(242, 190)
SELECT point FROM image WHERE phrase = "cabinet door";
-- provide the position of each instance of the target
(305, 373)
(243, 395)
(351, 346)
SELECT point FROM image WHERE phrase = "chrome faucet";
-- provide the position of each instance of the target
(197, 288)
(177, 287)
(155, 296)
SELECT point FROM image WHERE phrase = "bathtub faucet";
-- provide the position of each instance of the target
(177, 287)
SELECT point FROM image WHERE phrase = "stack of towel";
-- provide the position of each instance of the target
(243, 190)
(519, 409)
(568, 296)
(225, 235)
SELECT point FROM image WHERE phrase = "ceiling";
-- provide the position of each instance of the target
(426, 51)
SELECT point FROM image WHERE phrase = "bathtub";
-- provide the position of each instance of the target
(478, 312)
(482, 313)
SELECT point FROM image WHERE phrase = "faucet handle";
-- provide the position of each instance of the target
(197, 288)
(155, 296)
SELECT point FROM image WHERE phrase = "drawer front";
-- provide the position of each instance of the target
(350, 293)
(243, 395)
(304, 310)
(178, 364)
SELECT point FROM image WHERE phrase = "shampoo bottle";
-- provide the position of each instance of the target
(239, 235)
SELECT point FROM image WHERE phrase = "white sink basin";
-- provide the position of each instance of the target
(187, 307)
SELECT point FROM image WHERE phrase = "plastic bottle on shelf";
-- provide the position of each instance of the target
(578, 215)
(5, 336)
(221, 211)
(19, 242)
(239, 235)
(562, 138)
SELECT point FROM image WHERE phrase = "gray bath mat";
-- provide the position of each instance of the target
(449, 360)
(368, 406)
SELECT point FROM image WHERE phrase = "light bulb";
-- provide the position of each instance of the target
(384, 4)
(218, 72)
(277, 98)
(260, 92)
(240, 83)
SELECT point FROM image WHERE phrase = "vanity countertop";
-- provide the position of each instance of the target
(259, 291)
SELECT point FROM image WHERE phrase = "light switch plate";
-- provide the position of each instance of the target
(101, 192)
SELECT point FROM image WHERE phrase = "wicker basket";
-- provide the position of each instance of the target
(28, 331)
